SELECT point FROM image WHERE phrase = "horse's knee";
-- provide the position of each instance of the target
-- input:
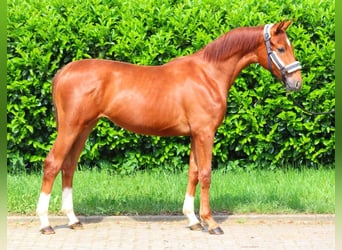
(51, 168)
(204, 178)
(193, 177)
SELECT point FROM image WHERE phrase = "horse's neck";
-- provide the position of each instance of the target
(232, 52)
(225, 72)
(236, 64)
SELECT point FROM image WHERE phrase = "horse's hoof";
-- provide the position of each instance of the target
(216, 231)
(76, 226)
(196, 227)
(47, 230)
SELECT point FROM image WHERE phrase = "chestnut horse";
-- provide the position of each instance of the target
(184, 97)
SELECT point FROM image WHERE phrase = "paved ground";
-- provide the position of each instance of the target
(305, 232)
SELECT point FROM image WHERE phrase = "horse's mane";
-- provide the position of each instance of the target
(239, 39)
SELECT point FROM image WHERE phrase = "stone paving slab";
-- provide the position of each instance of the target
(171, 232)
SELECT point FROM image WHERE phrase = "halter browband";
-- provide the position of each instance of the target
(288, 69)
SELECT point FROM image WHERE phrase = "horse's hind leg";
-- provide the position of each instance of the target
(63, 156)
(68, 170)
(52, 165)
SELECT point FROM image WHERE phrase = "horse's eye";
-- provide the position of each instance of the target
(281, 50)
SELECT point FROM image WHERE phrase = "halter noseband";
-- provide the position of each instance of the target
(272, 56)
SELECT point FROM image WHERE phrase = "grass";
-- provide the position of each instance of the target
(98, 193)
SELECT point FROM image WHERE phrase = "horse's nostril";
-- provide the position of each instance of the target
(298, 85)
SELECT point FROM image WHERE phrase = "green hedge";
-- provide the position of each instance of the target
(263, 128)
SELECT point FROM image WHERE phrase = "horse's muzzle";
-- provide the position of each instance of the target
(293, 84)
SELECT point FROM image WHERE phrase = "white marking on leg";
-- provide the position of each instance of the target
(67, 206)
(188, 210)
(42, 209)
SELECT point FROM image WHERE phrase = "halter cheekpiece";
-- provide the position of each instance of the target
(272, 56)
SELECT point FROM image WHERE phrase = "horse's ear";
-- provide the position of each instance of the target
(287, 24)
(282, 26)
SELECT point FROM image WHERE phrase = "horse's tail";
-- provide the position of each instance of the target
(54, 83)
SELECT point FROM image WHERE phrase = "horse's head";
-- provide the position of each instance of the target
(280, 56)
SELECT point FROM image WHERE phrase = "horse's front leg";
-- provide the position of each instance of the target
(203, 143)
(188, 206)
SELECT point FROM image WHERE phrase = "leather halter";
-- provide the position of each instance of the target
(272, 56)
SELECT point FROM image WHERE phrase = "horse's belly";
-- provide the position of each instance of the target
(152, 128)
(151, 121)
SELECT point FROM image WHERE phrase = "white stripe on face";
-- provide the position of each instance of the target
(288, 41)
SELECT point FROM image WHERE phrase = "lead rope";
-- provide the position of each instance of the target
(304, 110)
(332, 111)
